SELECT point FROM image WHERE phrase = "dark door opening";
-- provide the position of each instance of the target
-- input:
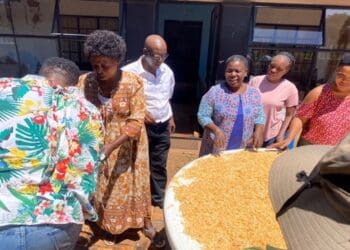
(184, 42)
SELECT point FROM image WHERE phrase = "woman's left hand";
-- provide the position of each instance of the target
(258, 139)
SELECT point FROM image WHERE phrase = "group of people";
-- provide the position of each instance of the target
(95, 146)
(309, 185)
(266, 112)
(91, 146)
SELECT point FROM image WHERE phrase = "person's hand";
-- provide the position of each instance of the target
(108, 150)
(258, 139)
(279, 138)
(172, 125)
(149, 118)
(281, 144)
(219, 140)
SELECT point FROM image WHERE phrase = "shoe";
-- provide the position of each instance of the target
(110, 241)
(156, 238)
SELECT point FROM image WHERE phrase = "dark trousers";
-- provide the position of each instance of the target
(159, 144)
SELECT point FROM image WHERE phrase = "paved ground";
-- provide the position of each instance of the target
(183, 150)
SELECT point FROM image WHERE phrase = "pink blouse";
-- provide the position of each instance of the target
(329, 118)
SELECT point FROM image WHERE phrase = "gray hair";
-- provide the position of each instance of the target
(237, 58)
(64, 67)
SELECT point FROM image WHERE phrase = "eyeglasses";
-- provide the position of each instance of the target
(155, 56)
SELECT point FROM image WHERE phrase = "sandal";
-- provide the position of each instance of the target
(156, 238)
(110, 242)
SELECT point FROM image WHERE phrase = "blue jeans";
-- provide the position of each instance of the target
(39, 237)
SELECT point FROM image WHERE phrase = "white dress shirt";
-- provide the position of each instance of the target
(158, 89)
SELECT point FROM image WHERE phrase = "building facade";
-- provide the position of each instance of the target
(200, 35)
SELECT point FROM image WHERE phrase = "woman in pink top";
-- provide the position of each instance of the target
(279, 97)
(324, 116)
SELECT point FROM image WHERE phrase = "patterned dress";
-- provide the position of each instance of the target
(329, 118)
(51, 143)
(123, 194)
(220, 106)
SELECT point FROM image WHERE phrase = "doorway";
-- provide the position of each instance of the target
(184, 43)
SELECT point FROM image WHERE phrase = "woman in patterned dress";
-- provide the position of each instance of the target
(123, 198)
(324, 115)
(231, 112)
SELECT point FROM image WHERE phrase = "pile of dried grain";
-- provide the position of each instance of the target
(227, 205)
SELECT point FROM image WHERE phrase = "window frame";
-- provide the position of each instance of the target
(321, 27)
(79, 37)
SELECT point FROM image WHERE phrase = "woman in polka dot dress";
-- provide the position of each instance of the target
(324, 115)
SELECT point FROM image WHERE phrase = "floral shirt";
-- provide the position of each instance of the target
(220, 106)
(50, 149)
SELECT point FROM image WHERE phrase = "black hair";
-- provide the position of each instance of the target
(345, 60)
(239, 58)
(66, 68)
(105, 43)
(290, 57)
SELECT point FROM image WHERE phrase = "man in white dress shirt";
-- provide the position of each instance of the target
(159, 85)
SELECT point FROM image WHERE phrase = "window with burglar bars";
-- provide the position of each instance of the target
(72, 47)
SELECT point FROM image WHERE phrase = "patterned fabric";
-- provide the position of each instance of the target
(50, 146)
(220, 106)
(329, 118)
(123, 194)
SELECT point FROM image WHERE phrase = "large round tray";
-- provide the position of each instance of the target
(178, 239)
(173, 219)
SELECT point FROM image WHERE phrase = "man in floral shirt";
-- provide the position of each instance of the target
(50, 146)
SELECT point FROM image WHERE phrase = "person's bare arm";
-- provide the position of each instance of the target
(290, 111)
(298, 123)
(109, 148)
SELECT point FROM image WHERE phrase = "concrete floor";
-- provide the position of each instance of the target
(183, 150)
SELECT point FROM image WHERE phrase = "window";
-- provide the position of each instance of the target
(337, 29)
(337, 36)
(25, 40)
(275, 25)
(72, 47)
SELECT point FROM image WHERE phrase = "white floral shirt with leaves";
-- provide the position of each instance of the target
(51, 143)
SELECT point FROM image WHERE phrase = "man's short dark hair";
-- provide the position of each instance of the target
(105, 43)
(66, 68)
